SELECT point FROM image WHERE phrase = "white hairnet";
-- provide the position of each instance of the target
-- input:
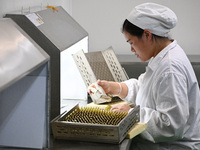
(156, 18)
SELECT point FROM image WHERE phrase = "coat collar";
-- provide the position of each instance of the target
(154, 61)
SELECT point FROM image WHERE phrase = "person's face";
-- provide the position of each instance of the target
(140, 46)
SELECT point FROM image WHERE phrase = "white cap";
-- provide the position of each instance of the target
(156, 18)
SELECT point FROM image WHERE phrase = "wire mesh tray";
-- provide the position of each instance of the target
(93, 132)
(102, 65)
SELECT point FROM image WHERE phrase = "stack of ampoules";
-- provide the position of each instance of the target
(95, 115)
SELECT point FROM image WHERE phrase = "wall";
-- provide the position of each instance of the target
(103, 19)
(10, 6)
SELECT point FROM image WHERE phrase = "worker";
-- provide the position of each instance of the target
(167, 93)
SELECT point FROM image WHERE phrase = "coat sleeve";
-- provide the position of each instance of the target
(133, 87)
(167, 121)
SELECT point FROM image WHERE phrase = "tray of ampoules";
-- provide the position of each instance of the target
(94, 124)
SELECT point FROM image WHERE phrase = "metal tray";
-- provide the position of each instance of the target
(102, 65)
(93, 132)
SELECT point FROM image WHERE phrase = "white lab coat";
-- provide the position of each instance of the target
(169, 99)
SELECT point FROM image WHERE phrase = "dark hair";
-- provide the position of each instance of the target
(132, 29)
(137, 31)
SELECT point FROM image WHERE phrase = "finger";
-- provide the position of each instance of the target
(116, 106)
(99, 82)
(89, 91)
(115, 110)
(93, 85)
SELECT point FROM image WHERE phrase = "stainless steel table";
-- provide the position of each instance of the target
(78, 145)
(57, 144)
